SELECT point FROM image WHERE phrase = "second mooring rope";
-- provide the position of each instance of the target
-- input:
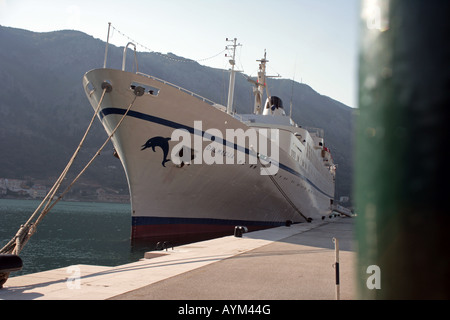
(16, 244)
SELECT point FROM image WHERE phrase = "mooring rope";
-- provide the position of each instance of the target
(18, 241)
(287, 198)
(16, 244)
(92, 159)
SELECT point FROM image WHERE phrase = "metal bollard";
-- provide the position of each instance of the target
(8, 264)
(239, 230)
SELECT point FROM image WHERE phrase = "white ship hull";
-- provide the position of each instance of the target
(171, 201)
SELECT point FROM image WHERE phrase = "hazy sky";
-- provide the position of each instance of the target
(313, 41)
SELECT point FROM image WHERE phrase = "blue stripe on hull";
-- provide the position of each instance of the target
(177, 125)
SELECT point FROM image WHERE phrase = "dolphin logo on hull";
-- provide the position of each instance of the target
(161, 142)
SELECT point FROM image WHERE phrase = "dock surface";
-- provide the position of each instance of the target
(284, 263)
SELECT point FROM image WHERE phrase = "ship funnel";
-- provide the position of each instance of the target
(274, 106)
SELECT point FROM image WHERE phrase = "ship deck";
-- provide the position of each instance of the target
(284, 263)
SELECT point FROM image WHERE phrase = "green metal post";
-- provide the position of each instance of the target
(402, 173)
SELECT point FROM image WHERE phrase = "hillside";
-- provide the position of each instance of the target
(44, 111)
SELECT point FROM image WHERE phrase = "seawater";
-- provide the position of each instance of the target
(71, 233)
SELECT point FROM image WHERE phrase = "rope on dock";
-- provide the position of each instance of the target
(16, 244)
(26, 230)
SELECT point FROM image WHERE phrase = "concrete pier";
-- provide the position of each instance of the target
(285, 263)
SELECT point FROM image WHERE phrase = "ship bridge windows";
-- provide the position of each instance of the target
(145, 89)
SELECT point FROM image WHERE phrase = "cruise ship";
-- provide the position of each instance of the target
(197, 169)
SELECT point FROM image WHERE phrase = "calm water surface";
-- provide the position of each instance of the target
(72, 233)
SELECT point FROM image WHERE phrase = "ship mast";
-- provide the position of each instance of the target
(232, 61)
(260, 84)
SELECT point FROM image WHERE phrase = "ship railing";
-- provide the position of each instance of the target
(316, 131)
(212, 103)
